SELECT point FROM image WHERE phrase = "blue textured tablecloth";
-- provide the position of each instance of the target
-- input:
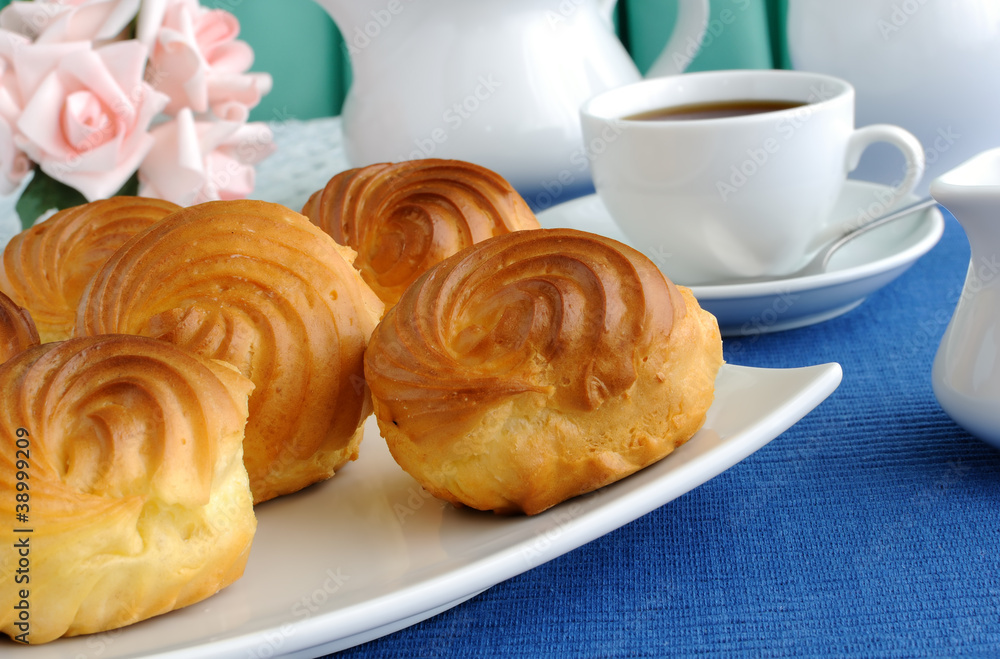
(869, 528)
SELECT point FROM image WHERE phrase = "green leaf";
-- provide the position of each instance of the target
(43, 193)
(131, 187)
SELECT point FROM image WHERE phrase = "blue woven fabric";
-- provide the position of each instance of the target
(868, 529)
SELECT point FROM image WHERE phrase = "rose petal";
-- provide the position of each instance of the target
(178, 71)
(14, 164)
(216, 27)
(40, 122)
(87, 123)
(149, 21)
(245, 89)
(84, 121)
(251, 143)
(199, 63)
(31, 18)
(195, 161)
(228, 178)
(126, 62)
(174, 169)
(230, 56)
(34, 62)
(90, 21)
(231, 111)
(89, 70)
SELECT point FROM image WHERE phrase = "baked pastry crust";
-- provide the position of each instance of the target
(538, 366)
(46, 268)
(402, 218)
(256, 285)
(17, 329)
(137, 501)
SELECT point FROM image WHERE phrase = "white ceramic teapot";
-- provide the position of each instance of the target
(495, 82)
(929, 66)
(966, 373)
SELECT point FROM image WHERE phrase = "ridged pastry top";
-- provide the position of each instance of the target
(17, 330)
(46, 267)
(403, 218)
(554, 311)
(130, 448)
(258, 286)
(87, 401)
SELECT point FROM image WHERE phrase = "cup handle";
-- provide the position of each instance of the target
(685, 42)
(900, 138)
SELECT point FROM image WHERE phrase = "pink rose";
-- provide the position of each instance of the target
(54, 21)
(199, 63)
(196, 161)
(14, 163)
(87, 123)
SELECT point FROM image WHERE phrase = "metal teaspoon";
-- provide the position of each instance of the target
(817, 265)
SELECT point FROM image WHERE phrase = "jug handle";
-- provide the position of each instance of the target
(685, 42)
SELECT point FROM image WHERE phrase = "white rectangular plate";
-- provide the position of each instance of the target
(369, 552)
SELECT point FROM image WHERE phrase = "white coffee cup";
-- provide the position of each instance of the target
(721, 199)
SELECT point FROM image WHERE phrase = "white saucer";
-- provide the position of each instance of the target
(856, 271)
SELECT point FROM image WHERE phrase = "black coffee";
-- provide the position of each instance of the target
(713, 110)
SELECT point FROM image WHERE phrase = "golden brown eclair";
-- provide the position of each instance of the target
(45, 268)
(256, 285)
(122, 484)
(402, 218)
(17, 329)
(539, 365)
